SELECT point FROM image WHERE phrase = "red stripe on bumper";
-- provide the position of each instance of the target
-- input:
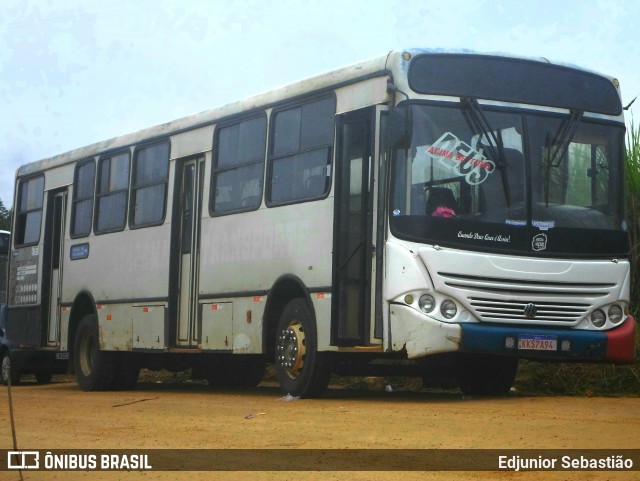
(621, 342)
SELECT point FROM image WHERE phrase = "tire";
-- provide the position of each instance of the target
(301, 369)
(485, 374)
(8, 374)
(95, 369)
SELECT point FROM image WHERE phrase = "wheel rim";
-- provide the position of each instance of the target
(6, 368)
(87, 353)
(291, 349)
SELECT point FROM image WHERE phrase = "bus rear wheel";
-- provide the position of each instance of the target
(485, 374)
(95, 370)
(301, 369)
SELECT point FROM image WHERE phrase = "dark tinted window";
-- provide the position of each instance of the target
(238, 166)
(29, 211)
(513, 80)
(83, 190)
(150, 173)
(4, 242)
(113, 187)
(300, 160)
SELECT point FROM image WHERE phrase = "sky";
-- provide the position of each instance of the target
(74, 72)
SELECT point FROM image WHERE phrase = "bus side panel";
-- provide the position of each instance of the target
(129, 265)
(245, 254)
(122, 271)
(115, 326)
(25, 323)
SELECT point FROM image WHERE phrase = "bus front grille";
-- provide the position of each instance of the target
(495, 299)
(493, 310)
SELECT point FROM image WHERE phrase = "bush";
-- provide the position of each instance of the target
(580, 379)
(632, 163)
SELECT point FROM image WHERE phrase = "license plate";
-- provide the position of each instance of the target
(538, 343)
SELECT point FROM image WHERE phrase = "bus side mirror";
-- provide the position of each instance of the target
(401, 127)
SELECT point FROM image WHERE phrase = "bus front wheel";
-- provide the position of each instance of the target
(301, 369)
(95, 370)
(485, 374)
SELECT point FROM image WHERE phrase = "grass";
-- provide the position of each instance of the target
(580, 379)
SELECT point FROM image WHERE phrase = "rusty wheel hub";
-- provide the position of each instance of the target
(290, 349)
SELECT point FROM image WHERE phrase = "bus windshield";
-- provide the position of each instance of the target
(494, 180)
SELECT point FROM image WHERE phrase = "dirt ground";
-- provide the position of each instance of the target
(190, 415)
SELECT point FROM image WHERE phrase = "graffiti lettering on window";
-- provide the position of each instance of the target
(462, 158)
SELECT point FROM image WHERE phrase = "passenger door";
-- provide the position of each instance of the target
(357, 263)
(53, 256)
(185, 249)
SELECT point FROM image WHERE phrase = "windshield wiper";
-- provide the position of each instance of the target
(562, 139)
(478, 121)
(555, 149)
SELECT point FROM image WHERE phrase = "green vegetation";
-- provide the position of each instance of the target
(5, 217)
(536, 378)
(633, 209)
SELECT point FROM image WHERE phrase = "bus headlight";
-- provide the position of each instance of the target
(615, 313)
(598, 318)
(427, 303)
(448, 309)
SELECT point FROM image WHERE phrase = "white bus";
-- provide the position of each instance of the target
(427, 212)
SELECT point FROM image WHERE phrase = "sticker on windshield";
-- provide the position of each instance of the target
(539, 242)
(452, 152)
(544, 224)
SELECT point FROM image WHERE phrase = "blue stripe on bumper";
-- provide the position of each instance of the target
(585, 345)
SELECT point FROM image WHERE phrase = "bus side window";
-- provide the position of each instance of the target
(149, 189)
(300, 153)
(83, 192)
(29, 211)
(112, 193)
(238, 166)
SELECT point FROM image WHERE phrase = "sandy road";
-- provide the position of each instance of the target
(60, 416)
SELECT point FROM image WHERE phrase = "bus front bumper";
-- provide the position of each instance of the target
(616, 345)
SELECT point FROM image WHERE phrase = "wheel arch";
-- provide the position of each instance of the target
(284, 289)
(83, 305)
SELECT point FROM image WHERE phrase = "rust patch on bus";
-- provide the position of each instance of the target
(101, 344)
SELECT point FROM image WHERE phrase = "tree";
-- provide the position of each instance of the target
(5, 217)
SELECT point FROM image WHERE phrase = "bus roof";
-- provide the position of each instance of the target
(383, 65)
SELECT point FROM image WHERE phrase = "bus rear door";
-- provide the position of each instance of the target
(185, 251)
(52, 270)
